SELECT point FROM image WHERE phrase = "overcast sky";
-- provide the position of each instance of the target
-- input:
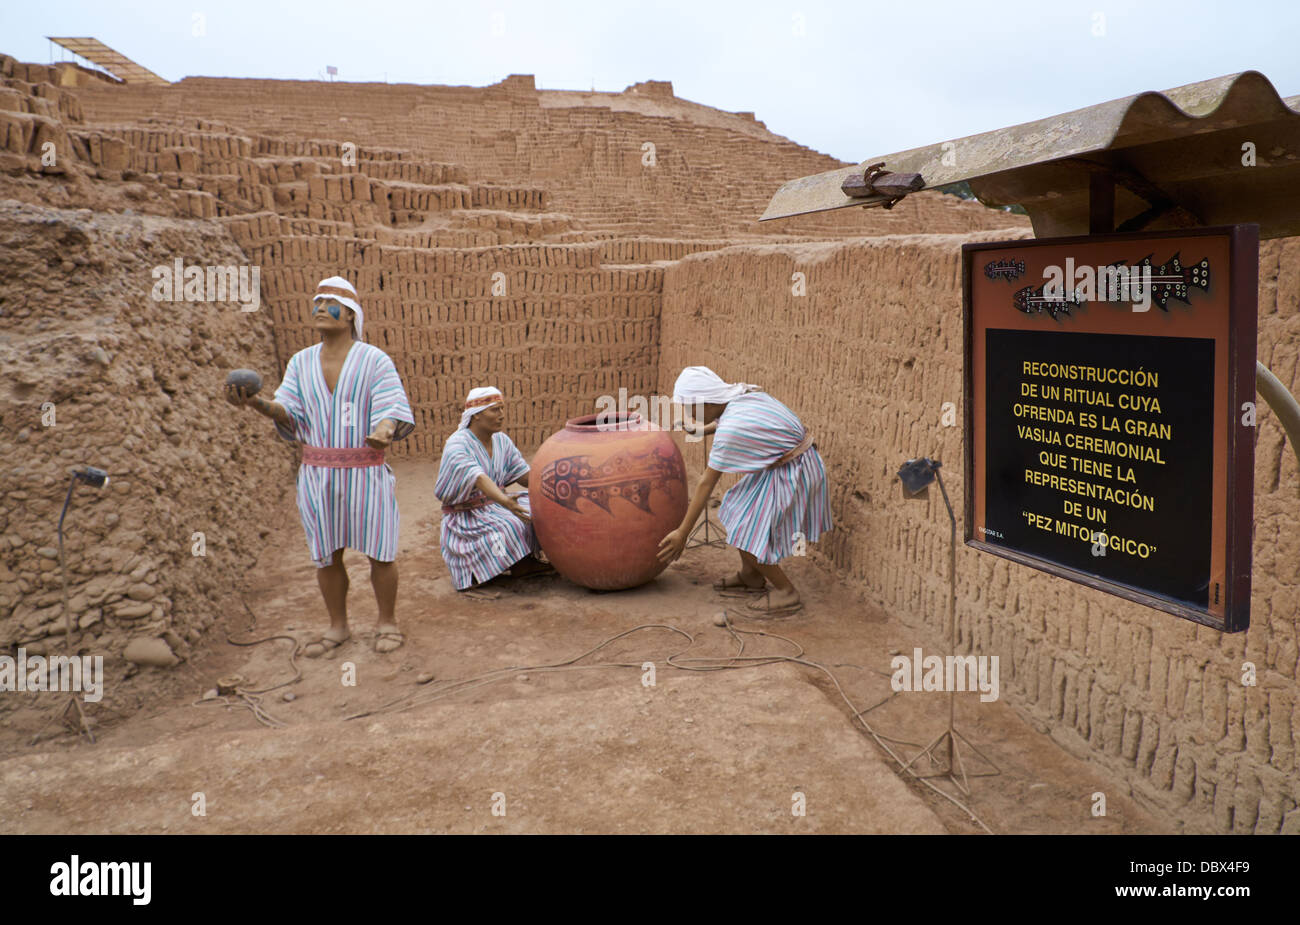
(849, 79)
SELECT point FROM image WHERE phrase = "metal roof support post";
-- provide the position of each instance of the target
(1101, 203)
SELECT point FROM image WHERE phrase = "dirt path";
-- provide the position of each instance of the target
(583, 750)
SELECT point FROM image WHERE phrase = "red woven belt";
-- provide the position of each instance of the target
(794, 452)
(479, 500)
(469, 505)
(342, 457)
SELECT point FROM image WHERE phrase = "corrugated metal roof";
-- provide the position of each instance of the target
(1184, 144)
(116, 63)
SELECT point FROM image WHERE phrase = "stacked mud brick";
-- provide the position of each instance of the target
(34, 113)
(711, 173)
(494, 238)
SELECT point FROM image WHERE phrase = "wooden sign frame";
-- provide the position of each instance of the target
(1006, 308)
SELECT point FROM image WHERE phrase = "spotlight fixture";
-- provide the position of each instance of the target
(95, 478)
(916, 474)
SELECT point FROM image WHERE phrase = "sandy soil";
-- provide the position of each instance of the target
(587, 749)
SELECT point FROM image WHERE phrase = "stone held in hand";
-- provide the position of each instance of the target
(248, 379)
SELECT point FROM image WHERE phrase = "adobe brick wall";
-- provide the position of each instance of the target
(867, 358)
(712, 172)
(422, 236)
(563, 330)
(421, 195)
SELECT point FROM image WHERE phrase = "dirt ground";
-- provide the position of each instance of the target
(539, 750)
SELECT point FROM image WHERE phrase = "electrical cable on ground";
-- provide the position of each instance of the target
(677, 660)
(250, 698)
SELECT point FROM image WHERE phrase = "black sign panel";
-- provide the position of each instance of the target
(1098, 477)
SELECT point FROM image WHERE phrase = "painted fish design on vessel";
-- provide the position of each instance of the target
(624, 475)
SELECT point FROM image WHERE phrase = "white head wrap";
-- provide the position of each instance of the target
(480, 400)
(343, 292)
(699, 383)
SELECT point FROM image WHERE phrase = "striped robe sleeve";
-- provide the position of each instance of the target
(457, 472)
(289, 396)
(513, 464)
(388, 398)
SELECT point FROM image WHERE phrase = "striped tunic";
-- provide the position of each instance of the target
(768, 512)
(481, 543)
(345, 508)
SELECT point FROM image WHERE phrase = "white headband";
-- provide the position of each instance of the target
(343, 292)
(699, 383)
(479, 400)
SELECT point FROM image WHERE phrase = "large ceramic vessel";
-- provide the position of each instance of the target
(603, 496)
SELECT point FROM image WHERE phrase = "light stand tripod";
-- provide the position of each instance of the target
(916, 474)
(714, 535)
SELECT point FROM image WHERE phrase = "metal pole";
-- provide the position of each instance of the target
(952, 609)
(72, 704)
(1283, 403)
(63, 574)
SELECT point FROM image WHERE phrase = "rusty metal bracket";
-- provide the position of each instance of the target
(876, 181)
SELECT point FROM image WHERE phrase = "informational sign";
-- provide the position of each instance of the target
(1109, 399)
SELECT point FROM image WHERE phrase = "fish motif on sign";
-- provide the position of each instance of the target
(1030, 300)
(1173, 280)
(630, 477)
(1009, 269)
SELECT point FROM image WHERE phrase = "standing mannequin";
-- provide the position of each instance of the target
(343, 400)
